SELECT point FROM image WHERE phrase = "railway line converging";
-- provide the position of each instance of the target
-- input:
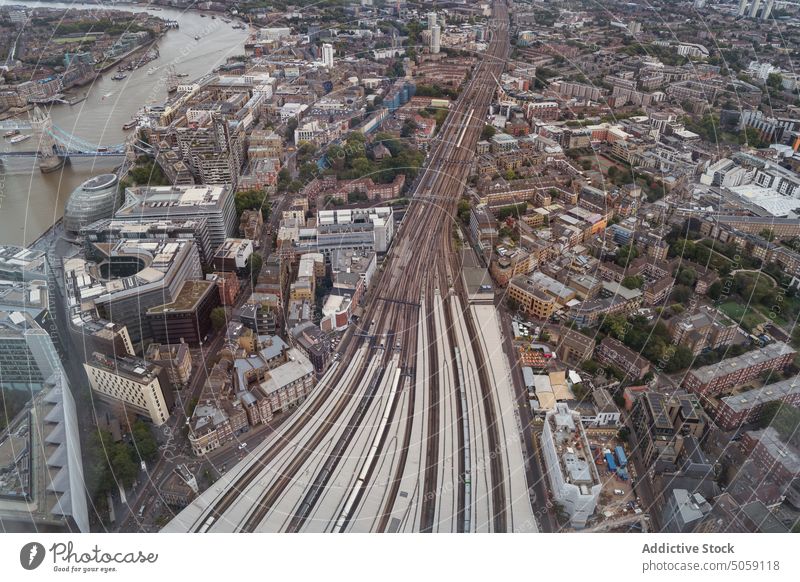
(412, 429)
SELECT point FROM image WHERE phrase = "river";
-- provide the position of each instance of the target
(30, 202)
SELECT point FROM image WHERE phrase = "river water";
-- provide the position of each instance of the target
(30, 202)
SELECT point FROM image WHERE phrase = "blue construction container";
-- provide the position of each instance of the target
(612, 466)
(621, 458)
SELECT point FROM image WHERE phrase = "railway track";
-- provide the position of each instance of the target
(420, 262)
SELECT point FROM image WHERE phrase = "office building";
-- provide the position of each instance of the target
(42, 488)
(767, 9)
(27, 354)
(366, 229)
(233, 255)
(613, 352)
(660, 425)
(22, 264)
(214, 203)
(262, 313)
(137, 385)
(132, 277)
(776, 456)
(436, 39)
(188, 317)
(212, 145)
(704, 329)
(742, 8)
(112, 230)
(683, 511)
(431, 20)
(571, 471)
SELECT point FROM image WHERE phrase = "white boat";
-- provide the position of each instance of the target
(19, 139)
(11, 133)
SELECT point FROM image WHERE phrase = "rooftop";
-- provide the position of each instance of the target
(572, 447)
(752, 398)
(233, 247)
(732, 365)
(129, 367)
(17, 261)
(191, 293)
(296, 368)
(783, 453)
(143, 200)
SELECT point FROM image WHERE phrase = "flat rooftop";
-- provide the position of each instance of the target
(130, 367)
(173, 199)
(190, 295)
(16, 260)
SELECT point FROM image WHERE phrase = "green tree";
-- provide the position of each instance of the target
(408, 129)
(488, 132)
(633, 282)
(219, 318)
(680, 294)
(252, 200)
(123, 467)
(626, 254)
(796, 336)
(753, 138)
(774, 80)
(680, 360)
(143, 441)
(615, 325)
(768, 413)
(686, 277)
(464, 210)
(254, 263)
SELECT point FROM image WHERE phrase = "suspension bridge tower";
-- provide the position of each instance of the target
(49, 158)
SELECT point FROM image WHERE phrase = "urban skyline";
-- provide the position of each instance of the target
(414, 266)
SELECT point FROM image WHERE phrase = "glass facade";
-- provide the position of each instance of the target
(95, 199)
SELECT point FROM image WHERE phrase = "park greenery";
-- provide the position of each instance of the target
(354, 159)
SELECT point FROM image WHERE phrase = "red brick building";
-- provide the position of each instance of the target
(721, 377)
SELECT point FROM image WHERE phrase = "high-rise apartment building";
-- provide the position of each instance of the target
(327, 55)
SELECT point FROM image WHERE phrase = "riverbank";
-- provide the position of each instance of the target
(33, 202)
(130, 53)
